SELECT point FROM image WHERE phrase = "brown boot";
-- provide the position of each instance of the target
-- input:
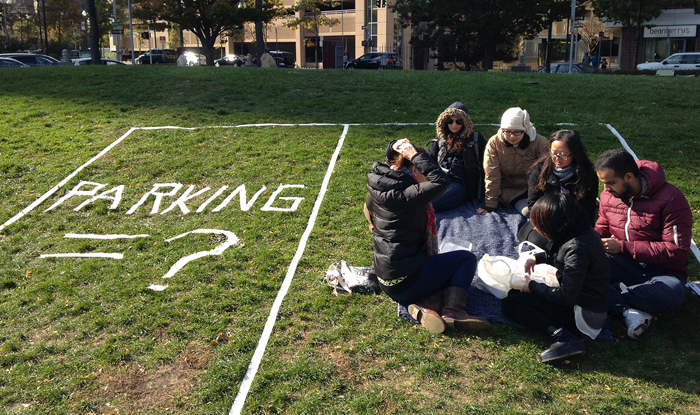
(454, 313)
(427, 312)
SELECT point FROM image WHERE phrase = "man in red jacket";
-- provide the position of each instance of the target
(645, 224)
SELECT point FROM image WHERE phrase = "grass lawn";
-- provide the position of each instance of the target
(85, 333)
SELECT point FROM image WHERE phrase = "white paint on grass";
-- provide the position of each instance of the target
(85, 255)
(53, 190)
(108, 237)
(231, 239)
(237, 406)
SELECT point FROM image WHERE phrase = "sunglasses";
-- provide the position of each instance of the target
(450, 121)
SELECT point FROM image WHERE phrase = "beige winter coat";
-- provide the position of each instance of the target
(506, 168)
(267, 61)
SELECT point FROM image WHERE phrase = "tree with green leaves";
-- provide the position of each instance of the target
(478, 31)
(312, 18)
(207, 19)
(62, 17)
(632, 14)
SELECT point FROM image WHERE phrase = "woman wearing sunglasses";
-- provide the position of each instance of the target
(565, 168)
(460, 152)
(509, 156)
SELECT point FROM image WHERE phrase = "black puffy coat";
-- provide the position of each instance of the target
(582, 270)
(400, 219)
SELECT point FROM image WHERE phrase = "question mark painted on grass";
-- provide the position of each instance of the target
(231, 239)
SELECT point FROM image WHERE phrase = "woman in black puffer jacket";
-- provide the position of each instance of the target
(578, 307)
(403, 220)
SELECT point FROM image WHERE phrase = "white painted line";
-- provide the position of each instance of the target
(237, 406)
(107, 236)
(88, 255)
(64, 181)
(622, 141)
(693, 246)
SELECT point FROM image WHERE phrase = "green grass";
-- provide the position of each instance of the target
(86, 335)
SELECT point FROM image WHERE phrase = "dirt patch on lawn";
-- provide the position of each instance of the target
(135, 389)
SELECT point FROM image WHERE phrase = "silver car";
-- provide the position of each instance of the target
(678, 61)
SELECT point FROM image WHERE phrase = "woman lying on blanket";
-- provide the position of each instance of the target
(565, 168)
(509, 156)
(460, 153)
(400, 192)
(578, 306)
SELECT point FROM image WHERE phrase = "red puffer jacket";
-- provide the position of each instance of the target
(655, 227)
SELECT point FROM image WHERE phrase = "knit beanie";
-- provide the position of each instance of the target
(518, 119)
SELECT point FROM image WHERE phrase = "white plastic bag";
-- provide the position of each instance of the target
(494, 275)
(544, 273)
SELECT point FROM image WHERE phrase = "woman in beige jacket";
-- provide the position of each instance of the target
(507, 161)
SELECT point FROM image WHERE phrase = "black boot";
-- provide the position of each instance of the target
(567, 345)
(427, 311)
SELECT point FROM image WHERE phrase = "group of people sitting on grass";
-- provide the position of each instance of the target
(626, 255)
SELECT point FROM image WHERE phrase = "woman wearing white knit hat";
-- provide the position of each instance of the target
(507, 161)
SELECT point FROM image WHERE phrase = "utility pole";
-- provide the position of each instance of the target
(571, 35)
(46, 37)
(131, 33)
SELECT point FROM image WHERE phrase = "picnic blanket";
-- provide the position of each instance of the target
(493, 233)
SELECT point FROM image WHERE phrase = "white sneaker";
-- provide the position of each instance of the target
(637, 322)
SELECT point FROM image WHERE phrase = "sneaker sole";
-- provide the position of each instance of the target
(559, 358)
(429, 321)
(636, 332)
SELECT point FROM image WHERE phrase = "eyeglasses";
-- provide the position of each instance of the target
(563, 157)
(515, 133)
(450, 121)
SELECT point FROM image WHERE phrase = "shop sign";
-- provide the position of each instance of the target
(670, 31)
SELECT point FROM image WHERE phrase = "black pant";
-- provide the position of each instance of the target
(535, 312)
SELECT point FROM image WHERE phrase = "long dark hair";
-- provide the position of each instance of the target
(557, 214)
(583, 169)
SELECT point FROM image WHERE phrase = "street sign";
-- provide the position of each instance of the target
(162, 38)
(116, 24)
(578, 25)
(118, 31)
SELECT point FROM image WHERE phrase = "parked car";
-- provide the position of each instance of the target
(283, 59)
(375, 60)
(230, 60)
(191, 59)
(9, 62)
(88, 61)
(677, 61)
(158, 56)
(31, 59)
(563, 67)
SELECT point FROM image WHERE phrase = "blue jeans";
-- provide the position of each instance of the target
(454, 196)
(451, 269)
(642, 286)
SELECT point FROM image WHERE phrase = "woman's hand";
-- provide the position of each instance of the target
(405, 147)
(530, 266)
(482, 211)
(526, 287)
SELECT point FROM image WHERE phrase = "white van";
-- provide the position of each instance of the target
(677, 61)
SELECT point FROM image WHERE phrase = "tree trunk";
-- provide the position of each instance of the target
(94, 34)
(638, 36)
(259, 40)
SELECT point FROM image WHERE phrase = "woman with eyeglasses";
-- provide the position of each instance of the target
(565, 168)
(509, 156)
(459, 151)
